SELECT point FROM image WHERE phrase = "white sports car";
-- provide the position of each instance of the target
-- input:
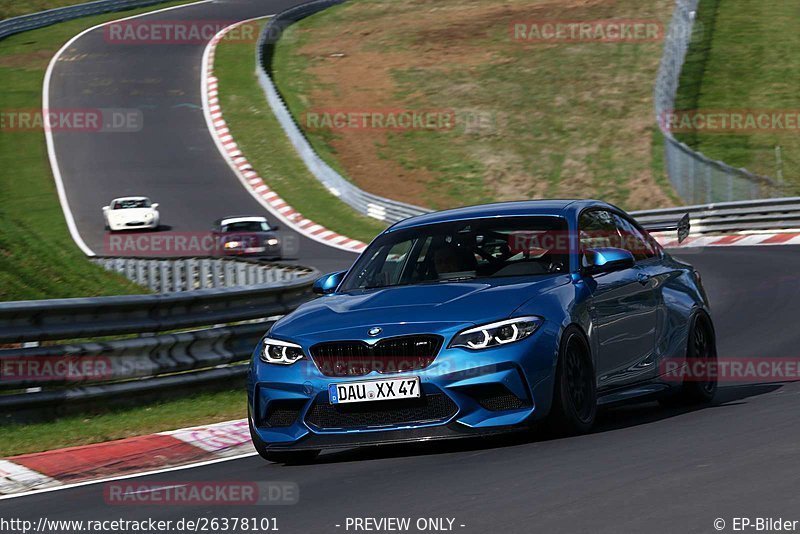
(131, 213)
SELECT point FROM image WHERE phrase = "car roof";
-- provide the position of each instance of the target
(520, 208)
(241, 218)
(129, 198)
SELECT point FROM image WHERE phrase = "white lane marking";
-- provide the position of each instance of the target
(129, 475)
(239, 166)
(51, 151)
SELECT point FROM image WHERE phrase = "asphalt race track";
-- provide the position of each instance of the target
(173, 159)
(645, 468)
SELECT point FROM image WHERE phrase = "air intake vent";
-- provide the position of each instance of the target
(430, 408)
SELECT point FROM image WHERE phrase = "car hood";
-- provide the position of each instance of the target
(130, 213)
(411, 309)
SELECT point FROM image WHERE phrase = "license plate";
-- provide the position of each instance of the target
(253, 250)
(374, 390)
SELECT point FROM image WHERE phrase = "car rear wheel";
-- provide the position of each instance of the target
(702, 353)
(280, 457)
(575, 394)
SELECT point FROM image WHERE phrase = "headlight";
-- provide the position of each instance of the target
(232, 244)
(280, 352)
(272, 242)
(148, 216)
(496, 334)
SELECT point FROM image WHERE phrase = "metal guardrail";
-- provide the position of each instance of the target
(375, 206)
(764, 214)
(41, 377)
(191, 274)
(696, 177)
(104, 316)
(52, 16)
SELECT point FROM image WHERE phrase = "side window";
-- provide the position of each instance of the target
(633, 240)
(598, 229)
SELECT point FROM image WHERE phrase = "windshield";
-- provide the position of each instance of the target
(463, 250)
(131, 203)
(246, 226)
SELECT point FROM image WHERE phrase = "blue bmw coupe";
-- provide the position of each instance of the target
(481, 320)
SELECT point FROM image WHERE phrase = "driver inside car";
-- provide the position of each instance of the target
(451, 261)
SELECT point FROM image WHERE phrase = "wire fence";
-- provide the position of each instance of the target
(696, 177)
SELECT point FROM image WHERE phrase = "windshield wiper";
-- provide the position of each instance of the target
(457, 279)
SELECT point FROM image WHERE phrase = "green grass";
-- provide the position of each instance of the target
(560, 120)
(745, 59)
(261, 139)
(39, 258)
(15, 8)
(199, 409)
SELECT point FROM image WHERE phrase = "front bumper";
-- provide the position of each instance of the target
(135, 225)
(464, 394)
(266, 251)
(392, 437)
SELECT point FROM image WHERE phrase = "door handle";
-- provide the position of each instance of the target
(643, 278)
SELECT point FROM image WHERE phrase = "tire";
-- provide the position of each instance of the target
(575, 393)
(702, 345)
(280, 457)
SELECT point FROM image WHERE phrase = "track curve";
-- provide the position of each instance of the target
(645, 468)
(173, 159)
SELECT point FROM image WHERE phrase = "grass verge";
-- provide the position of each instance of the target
(38, 257)
(744, 58)
(532, 119)
(15, 8)
(262, 140)
(205, 408)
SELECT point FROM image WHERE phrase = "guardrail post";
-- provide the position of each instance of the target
(217, 274)
(241, 275)
(140, 279)
(229, 273)
(204, 273)
(178, 275)
(192, 275)
(164, 271)
(152, 275)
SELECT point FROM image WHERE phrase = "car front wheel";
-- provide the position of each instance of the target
(575, 393)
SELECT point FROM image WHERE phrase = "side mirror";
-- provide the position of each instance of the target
(328, 283)
(607, 260)
(106, 208)
(154, 205)
(274, 227)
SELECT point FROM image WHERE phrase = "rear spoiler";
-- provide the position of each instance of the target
(683, 226)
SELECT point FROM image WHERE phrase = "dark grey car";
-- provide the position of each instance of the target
(247, 236)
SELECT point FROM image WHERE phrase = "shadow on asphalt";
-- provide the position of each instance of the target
(608, 419)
